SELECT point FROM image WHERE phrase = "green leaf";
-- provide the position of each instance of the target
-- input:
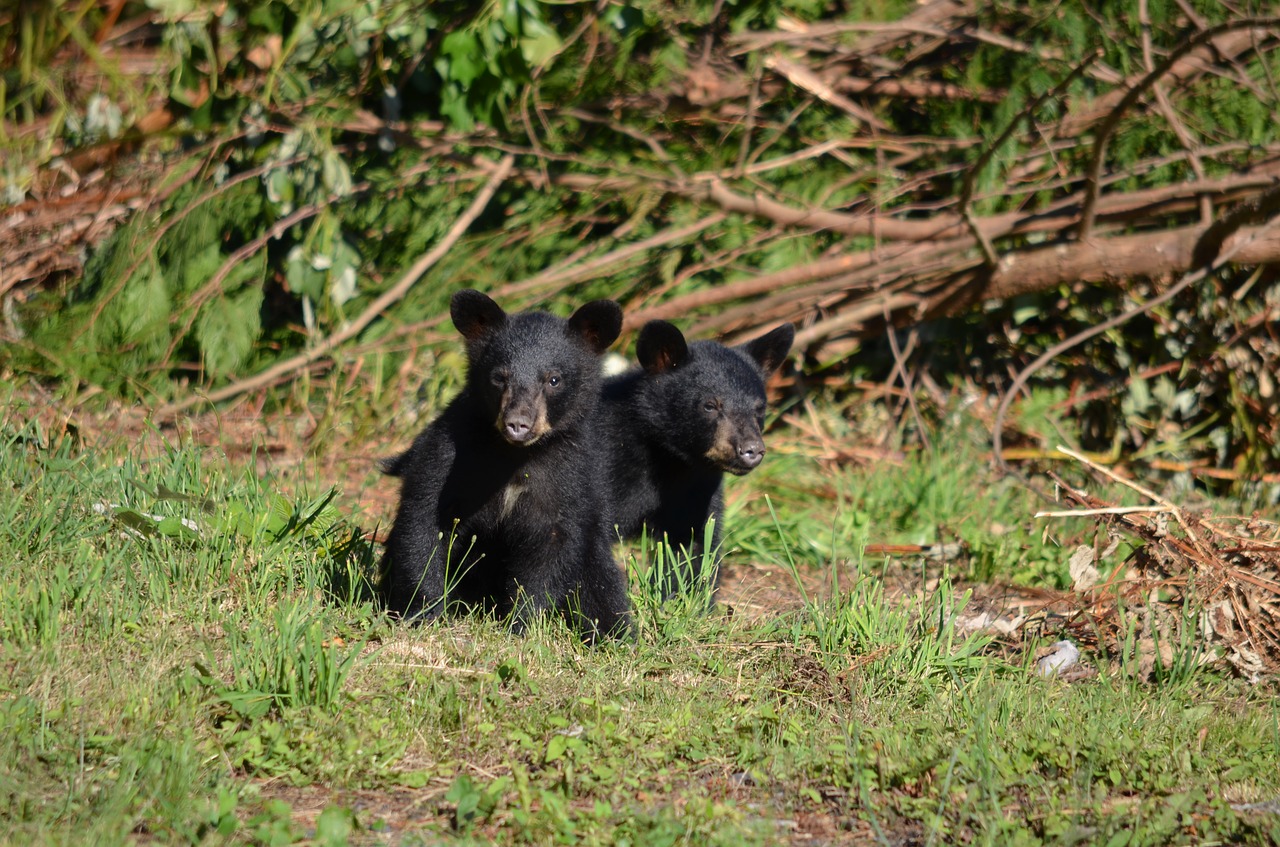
(173, 9)
(413, 779)
(1120, 839)
(344, 263)
(176, 528)
(453, 106)
(466, 60)
(335, 174)
(303, 277)
(135, 521)
(556, 747)
(334, 826)
(466, 798)
(540, 43)
(248, 704)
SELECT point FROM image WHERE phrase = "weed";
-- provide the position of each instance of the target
(289, 662)
(653, 565)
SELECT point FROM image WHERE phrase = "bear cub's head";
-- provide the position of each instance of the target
(534, 374)
(709, 399)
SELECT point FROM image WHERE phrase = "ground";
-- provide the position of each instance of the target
(844, 693)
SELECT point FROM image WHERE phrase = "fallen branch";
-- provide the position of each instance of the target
(1242, 243)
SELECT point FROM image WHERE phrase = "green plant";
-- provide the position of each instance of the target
(653, 564)
(291, 662)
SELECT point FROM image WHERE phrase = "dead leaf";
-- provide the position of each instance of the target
(1083, 574)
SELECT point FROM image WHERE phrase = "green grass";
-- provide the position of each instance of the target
(227, 680)
(821, 519)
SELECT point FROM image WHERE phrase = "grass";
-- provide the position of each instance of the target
(189, 656)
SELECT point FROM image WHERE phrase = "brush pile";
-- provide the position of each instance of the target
(909, 168)
(222, 202)
(1196, 589)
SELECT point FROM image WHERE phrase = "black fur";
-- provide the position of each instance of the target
(674, 426)
(502, 501)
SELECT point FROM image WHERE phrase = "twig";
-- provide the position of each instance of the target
(771, 282)
(539, 153)
(1115, 477)
(1214, 473)
(948, 226)
(1110, 510)
(781, 129)
(901, 366)
(1171, 114)
(591, 267)
(654, 145)
(749, 124)
(1145, 492)
(282, 369)
(918, 89)
(802, 77)
(939, 19)
(853, 316)
(710, 261)
(905, 271)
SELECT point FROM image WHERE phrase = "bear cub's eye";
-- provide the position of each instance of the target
(711, 406)
(499, 379)
(554, 380)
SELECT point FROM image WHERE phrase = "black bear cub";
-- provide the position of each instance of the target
(675, 425)
(502, 501)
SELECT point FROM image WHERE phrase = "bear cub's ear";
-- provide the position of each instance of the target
(475, 315)
(597, 323)
(770, 350)
(661, 347)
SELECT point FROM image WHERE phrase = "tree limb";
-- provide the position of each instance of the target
(1243, 242)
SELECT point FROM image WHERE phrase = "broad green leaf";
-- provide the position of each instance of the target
(466, 62)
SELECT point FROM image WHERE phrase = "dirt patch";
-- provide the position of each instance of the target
(386, 816)
(382, 815)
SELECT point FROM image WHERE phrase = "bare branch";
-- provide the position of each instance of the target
(802, 77)
(919, 89)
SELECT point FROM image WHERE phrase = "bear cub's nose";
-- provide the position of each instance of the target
(751, 453)
(518, 429)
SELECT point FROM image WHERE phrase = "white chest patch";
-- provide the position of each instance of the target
(510, 495)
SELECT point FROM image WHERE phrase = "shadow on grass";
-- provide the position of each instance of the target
(351, 568)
